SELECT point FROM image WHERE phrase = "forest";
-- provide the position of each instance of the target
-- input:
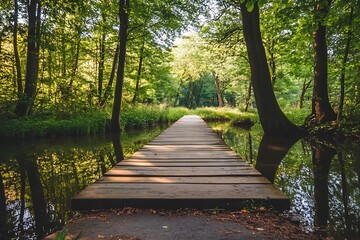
(74, 60)
(73, 72)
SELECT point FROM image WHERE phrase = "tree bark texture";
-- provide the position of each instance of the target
(321, 109)
(26, 102)
(272, 119)
(124, 18)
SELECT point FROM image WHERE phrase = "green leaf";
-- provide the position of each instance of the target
(250, 6)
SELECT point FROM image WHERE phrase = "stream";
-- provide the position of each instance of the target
(39, 177)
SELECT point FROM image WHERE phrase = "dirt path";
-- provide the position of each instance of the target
(135, 224)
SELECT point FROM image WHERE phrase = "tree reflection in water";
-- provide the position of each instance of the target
(38, 178)
(322, 181)
(271, 151)
(322, 156)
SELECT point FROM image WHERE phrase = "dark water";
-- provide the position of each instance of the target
(38, 178)
(322, 178)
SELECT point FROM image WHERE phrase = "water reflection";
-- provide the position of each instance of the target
(271, 151)
(38, 178)
(320, 177)
(322, 156)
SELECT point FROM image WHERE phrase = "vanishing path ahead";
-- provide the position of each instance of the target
(187, 166)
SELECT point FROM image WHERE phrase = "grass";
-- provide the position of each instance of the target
(87, 123)
(141, 116)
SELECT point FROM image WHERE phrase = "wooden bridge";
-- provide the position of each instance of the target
(187, 166)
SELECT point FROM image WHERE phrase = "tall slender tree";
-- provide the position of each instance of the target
(26, 101)
(124, 8)
(16, 51)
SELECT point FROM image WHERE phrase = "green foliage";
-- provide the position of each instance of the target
(224, 115)
(84, 124)
(87, 123)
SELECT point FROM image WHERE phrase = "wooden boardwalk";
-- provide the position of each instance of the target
(187, 166)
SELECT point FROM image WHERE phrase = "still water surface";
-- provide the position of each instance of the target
(38, 178)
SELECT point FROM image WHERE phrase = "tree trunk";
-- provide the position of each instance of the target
(24, 105)
(305, 87)
(16, 51)
(138, 76)
(101, 66)
(247, 100)
(218, 90)
(112, 76)
(118, 150)
(272, 119)
(124, 18)
(343, 68)
(321, 109)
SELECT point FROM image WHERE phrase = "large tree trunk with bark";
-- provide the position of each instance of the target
(124, 18)
(272, 119)
(26, 101)
(321, 109)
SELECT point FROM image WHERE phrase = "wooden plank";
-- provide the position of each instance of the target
(180, 164)
(185, 147)
(188, 155)
(183, 160)
(190, 171)
(181, 191)
(185, 180)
